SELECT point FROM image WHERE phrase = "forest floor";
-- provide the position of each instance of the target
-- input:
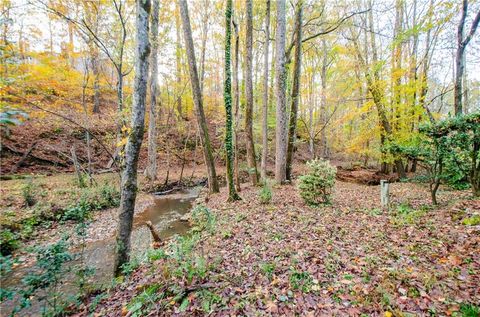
(285, 258)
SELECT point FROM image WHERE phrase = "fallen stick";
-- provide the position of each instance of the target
(24, 157)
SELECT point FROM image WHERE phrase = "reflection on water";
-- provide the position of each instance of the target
(165, 214)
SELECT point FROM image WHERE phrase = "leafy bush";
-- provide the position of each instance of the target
(202, 219)
(449, 152)
(105, 196)
(469, 310)
(265, 194)
(28, 193)
(315, 187)
(6, 264)
(49, 269)
(9, 241)
(77, 212)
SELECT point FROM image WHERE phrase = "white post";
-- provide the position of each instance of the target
(384, 193)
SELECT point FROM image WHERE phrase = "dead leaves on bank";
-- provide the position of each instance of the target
(351, 258)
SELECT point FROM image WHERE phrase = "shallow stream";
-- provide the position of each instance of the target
(165, 214)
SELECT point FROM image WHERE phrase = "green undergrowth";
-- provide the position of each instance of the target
(178, 271)
(41, 210)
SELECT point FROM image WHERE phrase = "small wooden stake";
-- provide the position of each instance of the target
(384, 193)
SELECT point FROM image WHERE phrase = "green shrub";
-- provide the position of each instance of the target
(29, 193)
(472, 221)
(49, 269)
(6, 264)
(265, 194)
(469, 310)
(202, 219)
(315, 187)
(78, 212)
(105, 196)
(9, 241)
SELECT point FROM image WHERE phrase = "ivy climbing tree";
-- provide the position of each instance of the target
(227, 97)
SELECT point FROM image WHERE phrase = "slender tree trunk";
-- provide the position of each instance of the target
(204, 45)
(178, 64)
(295, 90)
(459, 57)
(323, 100)
(280, 92)
(236, 102)
(197, 98)
(263, 166)
(227, 95)
(151, 171)
(132, 151)
(424, 75)
(252, 165)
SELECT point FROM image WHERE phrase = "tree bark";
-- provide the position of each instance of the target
(263, 165)
(297, 67)
(323, 100)
(280, 92)
(178, 64)
(227, 96)
(236, 103)
(459, 57)
(252, 165)
(151, 171)
(132, 150)
(197, 98)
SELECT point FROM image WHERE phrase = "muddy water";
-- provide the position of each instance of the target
(165, 214)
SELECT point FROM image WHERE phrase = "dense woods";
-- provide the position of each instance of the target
(250, 157)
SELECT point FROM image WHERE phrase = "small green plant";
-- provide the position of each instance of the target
(472, 221)
(156, 254)
(6, 264)
(268, 269)
(404, 208)
(469, 310)
(49, 269)
(78, 212)
(184, 263)
(9, 241)
(300, 280)
(101, 197)
(265, 194)
(28, 193)
(141, 304)
(130, 266)
(316, 186)
(202, 219)
(209, 301)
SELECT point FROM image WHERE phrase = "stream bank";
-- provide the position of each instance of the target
(165, 212)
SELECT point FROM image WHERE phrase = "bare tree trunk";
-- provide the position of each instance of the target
(205, 18)
(132, 150)
(178, 64)
(96, 83)
(397, 64)
(295, 90)
(263, 166)
(252, 165)
(151, 171)
(280, 92)
(459, 57)
(236, 102)
(323, 100)
(232, 194)
(197, 98)
(424, 75)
